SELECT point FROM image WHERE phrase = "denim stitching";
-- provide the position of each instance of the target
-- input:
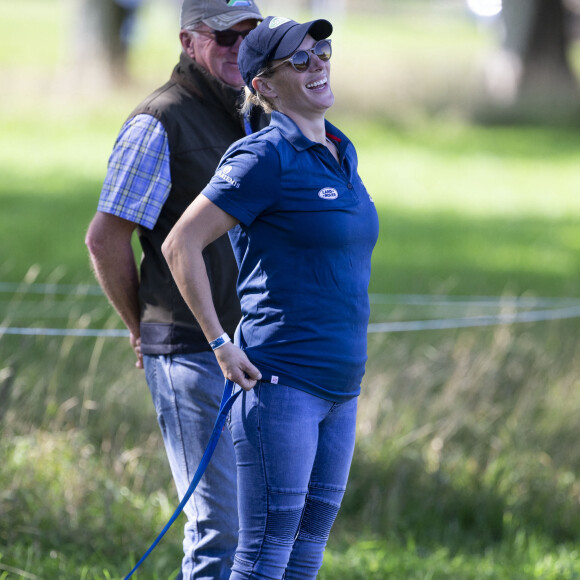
(261, 443)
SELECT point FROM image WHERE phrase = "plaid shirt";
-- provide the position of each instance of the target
(138, 177)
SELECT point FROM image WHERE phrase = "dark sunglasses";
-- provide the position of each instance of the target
(300, 60)
(225, 37)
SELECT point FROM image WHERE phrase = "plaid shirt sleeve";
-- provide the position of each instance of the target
(138, 177)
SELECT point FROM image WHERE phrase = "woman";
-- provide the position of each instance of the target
(307, 227)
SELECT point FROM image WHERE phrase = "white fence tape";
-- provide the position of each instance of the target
(475, 321)
(51, 289)
(81, 332)
(522, 310)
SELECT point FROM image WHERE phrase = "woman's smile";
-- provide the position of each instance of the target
(318, 84)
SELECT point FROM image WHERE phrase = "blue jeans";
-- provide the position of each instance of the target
(186, 392)
(293, 452)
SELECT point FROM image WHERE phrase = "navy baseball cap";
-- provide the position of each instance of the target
(276, 37)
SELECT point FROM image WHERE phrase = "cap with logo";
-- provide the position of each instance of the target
(276, 37)
(218, 14)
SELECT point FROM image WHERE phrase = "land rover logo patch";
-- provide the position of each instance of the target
(328, 193)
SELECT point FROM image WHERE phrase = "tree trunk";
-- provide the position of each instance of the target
(101, 41)
(547, 77)
(531, 77)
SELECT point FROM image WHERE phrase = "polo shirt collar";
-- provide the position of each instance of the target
(299, 141)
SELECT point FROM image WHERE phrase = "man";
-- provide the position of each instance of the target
(164, 156)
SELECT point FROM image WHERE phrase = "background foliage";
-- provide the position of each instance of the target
(466, 463)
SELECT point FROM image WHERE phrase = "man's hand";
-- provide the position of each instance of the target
(136, 346)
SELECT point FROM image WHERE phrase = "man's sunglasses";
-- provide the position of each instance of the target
(300, 60)
(225, 37)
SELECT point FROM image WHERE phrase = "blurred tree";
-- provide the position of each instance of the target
(532, 76)
(103, 34)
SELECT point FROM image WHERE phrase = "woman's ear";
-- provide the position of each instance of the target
(264, 87)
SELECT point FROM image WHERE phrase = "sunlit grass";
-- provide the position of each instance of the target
(491, 171)
(452, 198)
(32, 32)
(467, 459)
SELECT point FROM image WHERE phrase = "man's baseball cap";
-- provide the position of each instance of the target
(276, 37)
(218, 14)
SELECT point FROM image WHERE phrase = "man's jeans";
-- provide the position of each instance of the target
(293, 452)
(186, 391)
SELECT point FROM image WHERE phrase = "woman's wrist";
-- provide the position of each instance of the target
(219, 341)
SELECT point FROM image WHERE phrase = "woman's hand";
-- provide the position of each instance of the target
(237, 367)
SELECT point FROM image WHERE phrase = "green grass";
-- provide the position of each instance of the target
(467, 460)
(472, 210)
(500, 204)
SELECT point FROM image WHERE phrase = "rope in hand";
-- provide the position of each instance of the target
(228, 400)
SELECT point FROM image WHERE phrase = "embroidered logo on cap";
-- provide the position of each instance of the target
(277, 21)
(328, 193)
(239, 3)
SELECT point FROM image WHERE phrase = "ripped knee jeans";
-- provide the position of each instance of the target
(293, 453)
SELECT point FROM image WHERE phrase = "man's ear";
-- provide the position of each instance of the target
(264, 87)
(186, 39)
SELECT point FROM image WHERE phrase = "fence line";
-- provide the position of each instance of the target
(475, 321)
(373, 328)
(50, 289)
(552, 309)
(402, 299)
(484, 301)
(80, 332)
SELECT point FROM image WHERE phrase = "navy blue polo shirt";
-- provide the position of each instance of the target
(304, 243)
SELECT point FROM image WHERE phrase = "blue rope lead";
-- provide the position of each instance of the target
(227, 401)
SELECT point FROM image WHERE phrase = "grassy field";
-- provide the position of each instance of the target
(467, 463)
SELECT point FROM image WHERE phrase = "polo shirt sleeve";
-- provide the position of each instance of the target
(246, 183)
(138, 178)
